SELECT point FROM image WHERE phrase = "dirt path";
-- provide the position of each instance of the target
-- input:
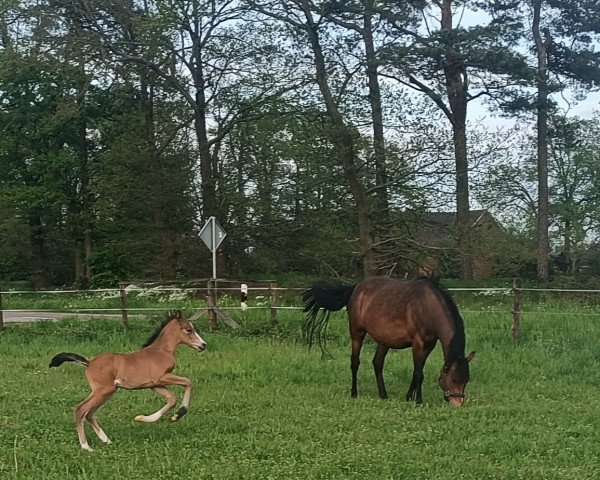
(34, 316)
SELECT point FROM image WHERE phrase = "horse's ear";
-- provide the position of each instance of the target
(470, 356)
(177, 314)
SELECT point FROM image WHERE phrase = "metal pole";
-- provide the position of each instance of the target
(214, 248)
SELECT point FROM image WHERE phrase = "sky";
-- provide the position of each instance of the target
(487, 115)
(479, 112)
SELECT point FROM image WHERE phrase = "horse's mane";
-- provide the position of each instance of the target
(159, 329)
(457, 343)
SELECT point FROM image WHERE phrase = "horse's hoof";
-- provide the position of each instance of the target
(174, 418)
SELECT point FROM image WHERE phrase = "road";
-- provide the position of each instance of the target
(33, 316)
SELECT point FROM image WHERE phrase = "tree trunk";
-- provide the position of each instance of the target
(456, 88)
(541, 45)
(463, 217)
(165, 255)
(343, 143)
(567, 248)
(381, 214)
(81, 200)
(377, 116)
(39, 275)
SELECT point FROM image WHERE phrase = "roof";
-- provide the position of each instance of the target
(449, 218)
(432, 228)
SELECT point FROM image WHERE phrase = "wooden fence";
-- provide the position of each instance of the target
(212, 290)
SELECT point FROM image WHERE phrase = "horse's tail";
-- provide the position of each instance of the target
(319, 301)
(63, 357)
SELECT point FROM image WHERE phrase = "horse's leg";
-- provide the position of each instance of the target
(86, 409)
(171, 402)
(80, 413)
(420, 353)
(378, 361)
(171, 379)
(357, 341)
(98, 429)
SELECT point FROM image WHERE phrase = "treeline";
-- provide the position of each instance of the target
(318, 133)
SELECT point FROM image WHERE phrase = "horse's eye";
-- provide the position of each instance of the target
(189, 330)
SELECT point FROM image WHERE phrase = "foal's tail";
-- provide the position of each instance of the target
(319, 301)
(63, 357)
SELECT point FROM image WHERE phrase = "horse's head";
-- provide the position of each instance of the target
(187, 333)
(454, 379)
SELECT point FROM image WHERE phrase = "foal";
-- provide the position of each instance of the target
(149, 367)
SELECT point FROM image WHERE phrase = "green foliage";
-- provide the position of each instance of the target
(112, 265)
(572, 58)
(103, 113)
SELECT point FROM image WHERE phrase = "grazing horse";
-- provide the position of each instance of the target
(149, 367)
(397, 314)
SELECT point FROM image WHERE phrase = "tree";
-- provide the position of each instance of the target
(510, 186)
(452, 65)
(573, 191)
(299, 15)
(37, 167)
(562, 35)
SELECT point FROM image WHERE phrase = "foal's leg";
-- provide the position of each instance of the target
(378, 361)
(170, 379)
(420, 353)
(86, 409)
(171, 402)
(357, 341)
(98, 429)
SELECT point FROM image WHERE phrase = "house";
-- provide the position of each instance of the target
(434, 234)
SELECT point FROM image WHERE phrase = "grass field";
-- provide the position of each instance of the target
(264, 407)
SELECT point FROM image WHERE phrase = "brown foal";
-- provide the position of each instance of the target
(149, 367)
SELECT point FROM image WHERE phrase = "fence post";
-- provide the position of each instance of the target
(273, 302)
(516, 323)
(123, 295)
(211, 301)
(243, 297)
(1, 313)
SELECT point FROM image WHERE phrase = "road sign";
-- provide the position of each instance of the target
(212, 234)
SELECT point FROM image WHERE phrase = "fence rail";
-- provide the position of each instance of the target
(214, 309)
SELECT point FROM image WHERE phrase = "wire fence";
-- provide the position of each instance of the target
(508, 305)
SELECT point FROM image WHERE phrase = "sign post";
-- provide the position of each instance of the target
(213, 234)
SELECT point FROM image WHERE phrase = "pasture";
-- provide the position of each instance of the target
(265, 407)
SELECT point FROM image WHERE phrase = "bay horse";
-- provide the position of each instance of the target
(396, 314)
(149, 367)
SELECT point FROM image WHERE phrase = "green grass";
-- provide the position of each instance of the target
(264, 407)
